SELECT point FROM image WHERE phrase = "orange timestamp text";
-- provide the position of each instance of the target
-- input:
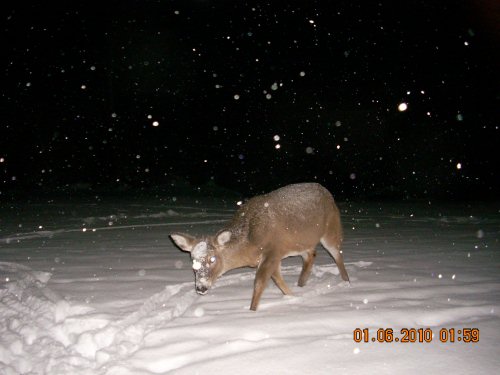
(414, 335)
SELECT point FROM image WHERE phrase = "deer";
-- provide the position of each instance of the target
(289, 221)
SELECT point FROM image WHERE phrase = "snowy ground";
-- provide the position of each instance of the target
(100, 289)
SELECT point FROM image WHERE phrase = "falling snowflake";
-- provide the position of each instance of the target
(199, 312)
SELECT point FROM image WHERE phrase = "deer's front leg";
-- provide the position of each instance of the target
(267, 267)
(278, 279)
(308, 260)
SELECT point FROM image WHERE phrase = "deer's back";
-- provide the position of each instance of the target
(296, 215)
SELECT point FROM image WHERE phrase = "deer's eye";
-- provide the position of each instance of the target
(213, 259)
(196, 265)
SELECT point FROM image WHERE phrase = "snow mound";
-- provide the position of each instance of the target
(120, 299)
(32, 325)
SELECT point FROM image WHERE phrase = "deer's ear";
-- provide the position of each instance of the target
(184, 241)
(223, 237)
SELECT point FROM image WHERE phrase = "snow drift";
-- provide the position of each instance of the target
(100, 289)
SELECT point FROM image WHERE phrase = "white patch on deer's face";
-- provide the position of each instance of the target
(200, 250)
(204, 265)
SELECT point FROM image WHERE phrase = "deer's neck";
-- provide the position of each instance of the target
(240, 256)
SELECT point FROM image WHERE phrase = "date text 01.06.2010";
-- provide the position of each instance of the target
(413, 335)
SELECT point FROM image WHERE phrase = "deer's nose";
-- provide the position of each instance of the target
(201, 290)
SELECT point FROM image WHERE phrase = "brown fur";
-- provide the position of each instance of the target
(285, 222)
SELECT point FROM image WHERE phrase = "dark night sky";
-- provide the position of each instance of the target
(83, 85)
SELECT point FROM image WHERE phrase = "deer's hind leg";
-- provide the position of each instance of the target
(332, 245)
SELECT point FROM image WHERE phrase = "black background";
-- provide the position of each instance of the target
(83, 83)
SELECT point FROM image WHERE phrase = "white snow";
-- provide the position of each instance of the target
(120, 299)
